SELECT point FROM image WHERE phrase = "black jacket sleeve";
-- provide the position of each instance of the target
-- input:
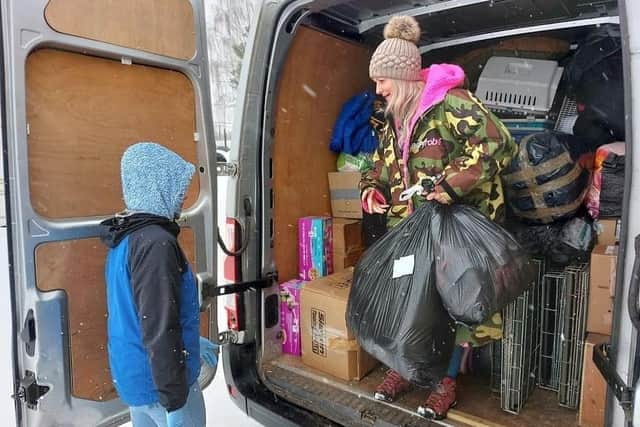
(156, 265)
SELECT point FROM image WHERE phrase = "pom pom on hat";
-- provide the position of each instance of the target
(402, 27)
(398, 57)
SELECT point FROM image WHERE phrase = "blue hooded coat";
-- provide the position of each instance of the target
(152, 297)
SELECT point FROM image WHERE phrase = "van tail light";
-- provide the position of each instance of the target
(233, 274)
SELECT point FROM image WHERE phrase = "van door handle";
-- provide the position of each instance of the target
(28, 333)
(634, 288)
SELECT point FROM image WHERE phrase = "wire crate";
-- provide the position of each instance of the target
(562, 328)
(496, 366)
(567, 116)
(572, 334)
(521, 345)
(553, 284)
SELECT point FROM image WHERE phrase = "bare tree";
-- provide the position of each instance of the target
(228, 25)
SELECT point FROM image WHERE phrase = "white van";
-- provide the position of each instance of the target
(81, 82)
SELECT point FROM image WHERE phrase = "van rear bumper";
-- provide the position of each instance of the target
(252, 396)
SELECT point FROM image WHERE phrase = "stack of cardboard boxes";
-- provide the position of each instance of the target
(604, 258)
(347, 243)
(327, 343)
(346, 209)
(315, 259)
(313, 307)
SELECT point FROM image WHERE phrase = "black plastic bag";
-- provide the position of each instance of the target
(563, 242)
(595, 78)
(374, 226)
(612, 189)
(480, 268)
(394, 308)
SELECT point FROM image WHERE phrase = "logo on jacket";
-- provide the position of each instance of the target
(428, 142)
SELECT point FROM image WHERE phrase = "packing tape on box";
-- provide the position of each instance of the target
(343, 344)
(345, 194)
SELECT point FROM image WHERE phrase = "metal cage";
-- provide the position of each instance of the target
(521, 346)
(563, 313)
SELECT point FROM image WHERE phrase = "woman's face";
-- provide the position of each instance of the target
(384, 88)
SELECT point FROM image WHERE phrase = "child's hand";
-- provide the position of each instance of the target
(208, 352)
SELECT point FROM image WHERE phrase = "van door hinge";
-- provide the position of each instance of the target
(622, 392)
(231, 337)
(226, 169)
(211, 290)
(29, 391)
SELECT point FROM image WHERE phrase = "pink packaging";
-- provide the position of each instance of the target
(290, 316)
(315, 247)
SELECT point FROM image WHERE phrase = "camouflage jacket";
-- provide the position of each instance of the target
(457, 138)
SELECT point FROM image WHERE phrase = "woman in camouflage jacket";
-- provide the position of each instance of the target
(433, 129)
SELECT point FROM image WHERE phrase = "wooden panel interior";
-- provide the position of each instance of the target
(163, 27)
(320, 74)
(77, 268)
(85, 114)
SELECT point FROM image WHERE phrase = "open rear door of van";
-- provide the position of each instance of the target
(619, 362)
(83, 80)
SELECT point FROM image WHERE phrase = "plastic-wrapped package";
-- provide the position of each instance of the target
(610, 156)
(394, 308)
(480, 268)
(360, 162)
(545, 181)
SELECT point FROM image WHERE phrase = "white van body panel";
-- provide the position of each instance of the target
(624, 333)
(7, 408)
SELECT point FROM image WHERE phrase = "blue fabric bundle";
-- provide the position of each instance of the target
(352, 132)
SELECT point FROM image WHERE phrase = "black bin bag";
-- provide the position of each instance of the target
(480, 267)
(394, 309)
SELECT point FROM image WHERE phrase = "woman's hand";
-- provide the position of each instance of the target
(440, 197)
(373, 201)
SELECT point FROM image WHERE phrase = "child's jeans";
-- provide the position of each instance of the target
(155, 415)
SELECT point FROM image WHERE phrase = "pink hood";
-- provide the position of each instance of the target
(438, 80)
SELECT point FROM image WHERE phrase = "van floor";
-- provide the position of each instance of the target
(352, 403)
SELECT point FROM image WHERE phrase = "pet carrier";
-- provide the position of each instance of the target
(519, 85)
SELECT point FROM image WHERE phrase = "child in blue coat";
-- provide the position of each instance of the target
(152, 297)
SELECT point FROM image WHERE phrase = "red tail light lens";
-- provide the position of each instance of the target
(232, 273)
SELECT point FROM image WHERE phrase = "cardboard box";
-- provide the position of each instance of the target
(342, 261)
(347, 236)
(345, 194)
(604, 260)
(600, 310)
(608, 230)
(315, 247)
(327, 344)
(593, 395)
(290, 316)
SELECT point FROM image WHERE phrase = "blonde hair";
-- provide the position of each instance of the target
(403, 103)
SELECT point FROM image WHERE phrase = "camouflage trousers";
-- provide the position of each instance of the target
(482, 334)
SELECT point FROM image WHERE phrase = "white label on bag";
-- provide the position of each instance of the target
(403, 266)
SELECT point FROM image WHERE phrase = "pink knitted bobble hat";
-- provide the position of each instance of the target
(398, 57)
